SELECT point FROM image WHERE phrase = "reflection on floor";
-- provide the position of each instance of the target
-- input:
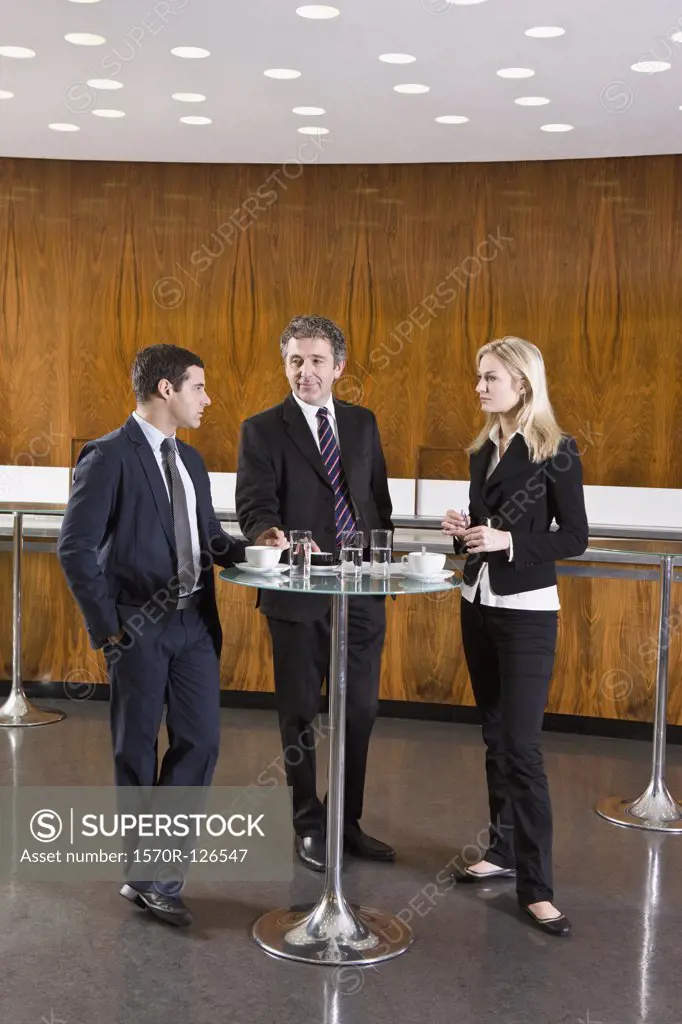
(79, 955)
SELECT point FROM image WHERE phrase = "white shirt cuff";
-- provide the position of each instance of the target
(510, 550)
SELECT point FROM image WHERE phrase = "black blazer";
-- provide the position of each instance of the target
(523, 497)
(117, 545)
(281, 481)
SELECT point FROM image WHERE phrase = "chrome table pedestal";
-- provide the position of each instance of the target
(18, 709)
(656, 809)
(333, 931)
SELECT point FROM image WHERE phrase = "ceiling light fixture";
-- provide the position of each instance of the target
(59, 126)
(515, 73)
(84, 39)
(190, 52)
(188, 97)
(651, 67)
(109, 113)
(397, 58)
(411, 88)
(545, 32)
(319, 12)
(313, 129)
(452, 119)
(5, 94)
(17, 52)
(104, 83)
(196, 120)
(532, 101)
(309, 111)
(557, 127)
(282, 73)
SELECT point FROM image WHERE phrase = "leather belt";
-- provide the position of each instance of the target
(188, 601)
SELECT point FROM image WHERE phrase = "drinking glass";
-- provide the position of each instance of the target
(381, 553)
(352, 544)
(300, 549)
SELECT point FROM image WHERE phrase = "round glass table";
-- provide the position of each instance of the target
(333, 931)
(655, 809)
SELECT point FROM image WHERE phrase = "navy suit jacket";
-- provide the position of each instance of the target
(117, 545)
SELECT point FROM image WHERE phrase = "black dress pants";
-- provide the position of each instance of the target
(510, 657)
(300, 652)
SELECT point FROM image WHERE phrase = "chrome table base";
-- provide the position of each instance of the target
(333, 932)
(655, 810)
(17, 709)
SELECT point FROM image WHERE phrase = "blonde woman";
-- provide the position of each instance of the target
(525, 475)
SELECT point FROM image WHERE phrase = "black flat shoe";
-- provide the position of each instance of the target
(469, 877)
(560, 926)
(367, 847)
(312, 851)
(169, 909)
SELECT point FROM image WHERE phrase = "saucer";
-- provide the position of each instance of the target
(272, 570)
(439, 574)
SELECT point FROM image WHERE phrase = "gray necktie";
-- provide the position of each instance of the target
(183, 537)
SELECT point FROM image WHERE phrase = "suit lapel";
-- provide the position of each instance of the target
(513, 462)
(346, 423)
(153, 474)
(300, 433)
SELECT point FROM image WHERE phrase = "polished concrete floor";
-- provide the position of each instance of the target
(82, 955)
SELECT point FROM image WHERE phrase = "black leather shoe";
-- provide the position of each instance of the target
(469, 877)
(360, 845)
(170, 909)
(559, 927)
(312, 850)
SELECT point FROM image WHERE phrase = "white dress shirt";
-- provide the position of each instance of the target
(546, 599)
(310, 413)
(155, 437)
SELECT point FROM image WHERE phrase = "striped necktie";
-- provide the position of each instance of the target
(181, 528)
(331, 456)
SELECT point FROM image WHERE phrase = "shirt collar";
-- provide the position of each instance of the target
(155, 436)
(494, 435)
(310, 411)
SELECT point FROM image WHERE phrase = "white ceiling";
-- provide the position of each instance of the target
(585, 73)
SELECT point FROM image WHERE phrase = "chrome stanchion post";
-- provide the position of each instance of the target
(334, 932)
(655, 809)
(17, 709)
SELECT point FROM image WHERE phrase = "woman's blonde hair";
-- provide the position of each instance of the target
(536, 421)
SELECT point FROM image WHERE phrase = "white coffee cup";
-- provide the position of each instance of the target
(423, 563)
(262, 556)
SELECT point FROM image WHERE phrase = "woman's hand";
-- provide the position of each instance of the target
(484, 538)
(455, 523)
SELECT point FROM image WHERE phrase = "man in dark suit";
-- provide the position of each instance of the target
(315, 463)
(137, 547)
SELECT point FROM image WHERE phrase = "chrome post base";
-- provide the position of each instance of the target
(329, 933)
(19, 711)
(655, 810)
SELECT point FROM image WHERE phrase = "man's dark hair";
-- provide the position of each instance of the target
(314, 327)
(161, 362)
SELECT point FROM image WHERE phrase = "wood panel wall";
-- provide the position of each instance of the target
(421, 264)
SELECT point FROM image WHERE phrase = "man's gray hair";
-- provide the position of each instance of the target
(315, 327)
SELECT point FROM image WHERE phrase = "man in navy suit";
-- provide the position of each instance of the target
(137, 547)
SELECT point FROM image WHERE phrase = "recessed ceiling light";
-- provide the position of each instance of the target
(6, 95)
(465, 3)
(650, 67)
(18, 52)
(532, 101)
(189, 97)
(676, 37)
(452, 119)
(545, 32)
(282, 73)
(397, 58)
(63, 127)
(411, 88)
(85, 1)
(318, 11)
(515, 73)
(557, 127)
(109, 113)
(190, 52)
(308, 111)
(313, 129)
(103, 83)
(84, 39)
(196, 120)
